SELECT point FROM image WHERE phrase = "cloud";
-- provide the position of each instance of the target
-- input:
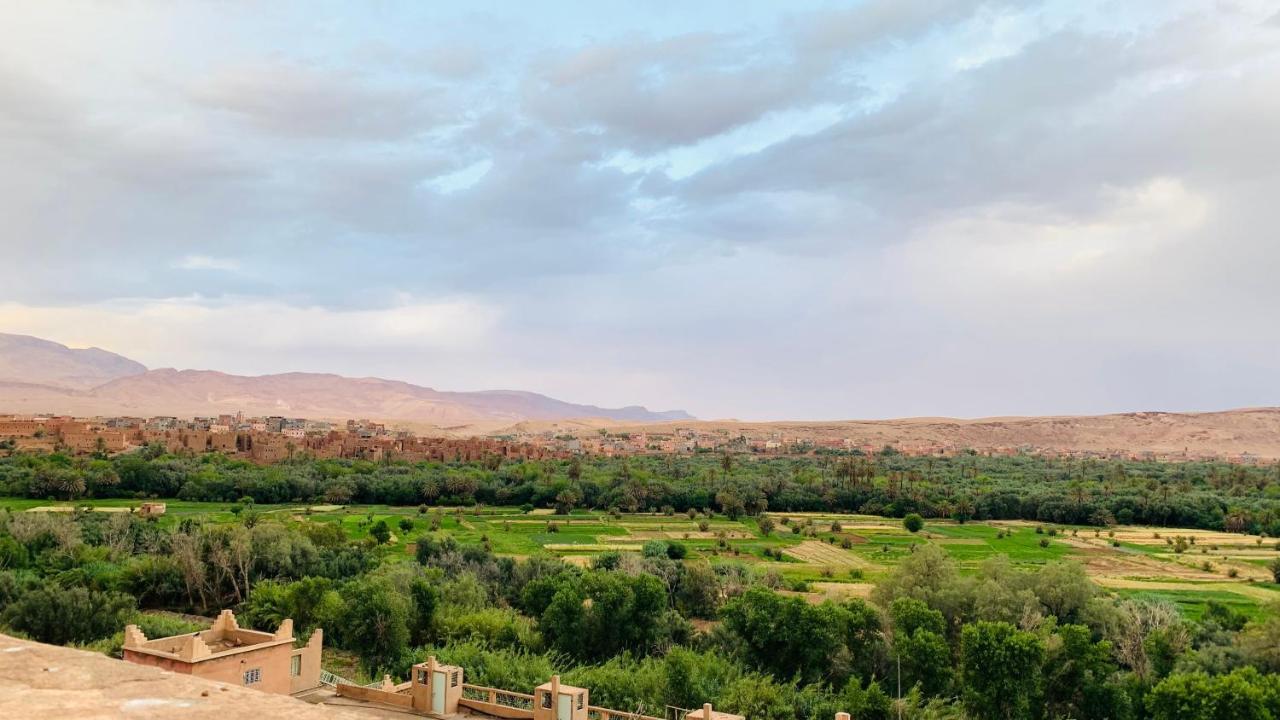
(304, 100)
(254, 334)
(205, 262)
(880, 209)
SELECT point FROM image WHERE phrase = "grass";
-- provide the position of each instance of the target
(1194, 602)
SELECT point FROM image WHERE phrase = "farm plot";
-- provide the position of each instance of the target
(812, 552)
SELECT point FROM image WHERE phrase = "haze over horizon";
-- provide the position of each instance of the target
(838, 210)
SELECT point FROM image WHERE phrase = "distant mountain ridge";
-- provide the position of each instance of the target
(42, 376)
(40, 362)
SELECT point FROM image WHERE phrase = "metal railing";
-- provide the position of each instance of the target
(328, 678)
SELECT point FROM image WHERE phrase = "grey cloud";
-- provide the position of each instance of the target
(301, 100)
(1053, 125)
(773, 270)
(877, 23)
(653, 95)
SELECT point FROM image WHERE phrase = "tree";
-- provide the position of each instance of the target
(1245, 694)
(913, 522)
(789, 637)
(1064, 589)
(698, 594)
(380, 532)
(730, 503)
(1077, 678)
(13, 554)
(691, 677)
(374, 624)
(1000, 671)
(920, 646)
(406, 524)
(925, 660)
(599, 614)
(929, 575)
(766, 525)
(909, 615)
(1274, 567)
(425, 599)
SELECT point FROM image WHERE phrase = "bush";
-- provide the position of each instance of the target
(1044, 542)
(503, 668)
(59, 616)
(655, 548)
(913, 523)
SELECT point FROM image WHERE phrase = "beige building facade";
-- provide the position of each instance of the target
(228, 653)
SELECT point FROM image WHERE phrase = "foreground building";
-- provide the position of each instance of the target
(228, 653)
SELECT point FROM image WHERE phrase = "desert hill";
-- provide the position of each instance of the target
(41, 376)
(1253, 431)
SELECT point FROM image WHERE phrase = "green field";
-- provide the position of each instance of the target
(820, 559)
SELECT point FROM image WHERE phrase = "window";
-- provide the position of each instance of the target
(295, 665)
(422, 677)
(581, 698)
(546, 699)
(252, 676)
(453, 681)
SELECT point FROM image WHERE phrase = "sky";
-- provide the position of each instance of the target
(755, 210)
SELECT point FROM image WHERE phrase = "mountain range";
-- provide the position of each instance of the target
(42, 376)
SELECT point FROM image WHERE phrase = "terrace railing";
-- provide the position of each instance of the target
(497, 702)
(599, 713)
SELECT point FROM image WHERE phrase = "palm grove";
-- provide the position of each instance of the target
(655, 628)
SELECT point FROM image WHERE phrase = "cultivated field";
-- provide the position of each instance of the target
(819, 555)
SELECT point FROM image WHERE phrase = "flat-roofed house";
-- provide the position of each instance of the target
(228, 653)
